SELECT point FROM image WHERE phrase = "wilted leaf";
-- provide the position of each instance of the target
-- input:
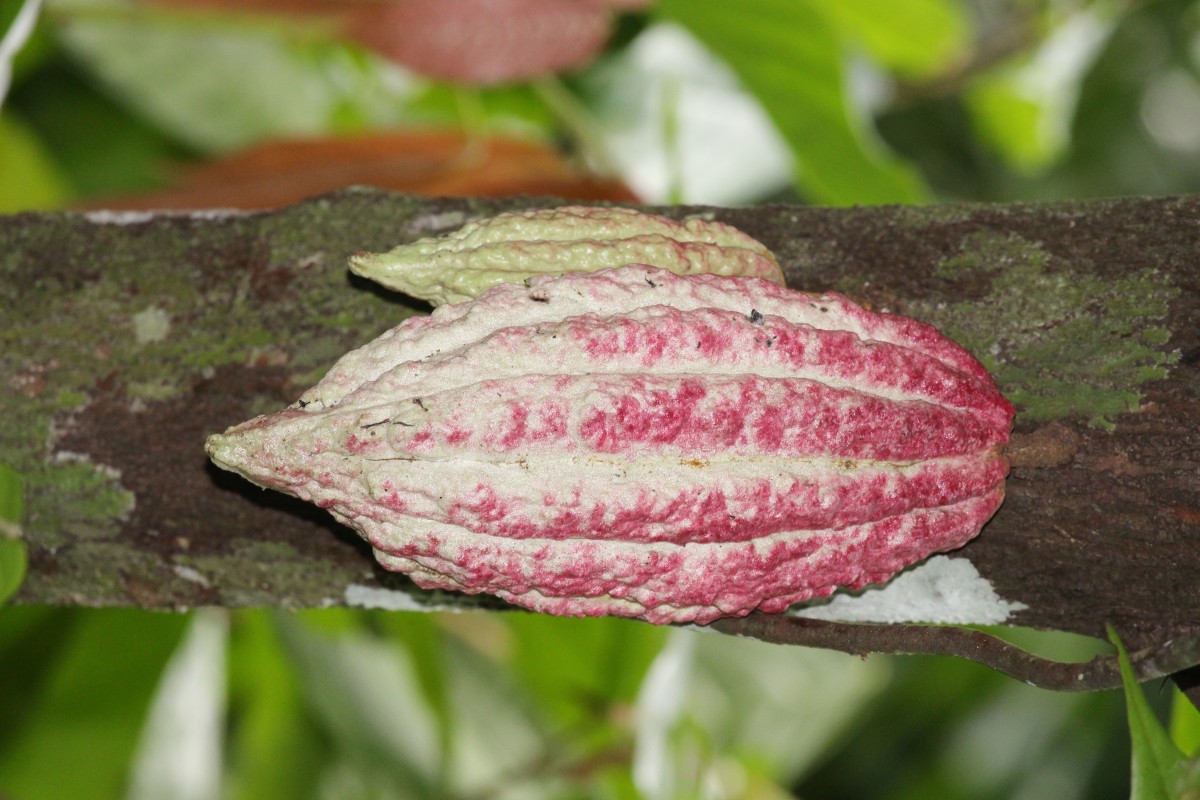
(482, 41)
(427, 163)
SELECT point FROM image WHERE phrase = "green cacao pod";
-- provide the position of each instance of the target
(511, 247)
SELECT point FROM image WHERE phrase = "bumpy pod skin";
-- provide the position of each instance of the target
(511, 247)
(636, 443)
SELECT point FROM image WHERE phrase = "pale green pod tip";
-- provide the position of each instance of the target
(226, 451)
(240, 449)
(515, 246)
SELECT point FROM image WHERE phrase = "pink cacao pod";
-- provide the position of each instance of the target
(638, 443)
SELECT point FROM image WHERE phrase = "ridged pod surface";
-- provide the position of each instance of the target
(514, 246)
(636, 443)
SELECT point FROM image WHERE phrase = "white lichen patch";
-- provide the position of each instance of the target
(192, 575)
(151, 325)
(71, 457)
(107, 217)
(110, 217)
(942, 590)
(362, 596)
(94, 490)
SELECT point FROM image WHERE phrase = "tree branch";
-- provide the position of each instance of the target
(1102, 672)
(128, 339)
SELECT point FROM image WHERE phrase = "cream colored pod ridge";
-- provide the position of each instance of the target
(514, 246)
(639, 443)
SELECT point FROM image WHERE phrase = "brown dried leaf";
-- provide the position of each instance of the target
(434, 163)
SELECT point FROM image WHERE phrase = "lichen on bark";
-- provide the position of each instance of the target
(1060, 340)
(169, 301)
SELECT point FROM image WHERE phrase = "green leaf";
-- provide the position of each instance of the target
(219, 84)
(12, 499)
(789, 56)
(182, 738)
(122, 152)
(275, 748)
(9, 9)
(1024, 109)
(14, 558)
(421, 638)
(487, 709)
(577, 669)
(17, 21)
(75, 692)
(1015, 124)
(708, 700)
(913, 37)
(30, 180)
(1185, 724)
(675, 122)
(365, 695)
(1158, 765)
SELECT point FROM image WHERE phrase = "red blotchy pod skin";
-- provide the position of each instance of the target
(638, 443)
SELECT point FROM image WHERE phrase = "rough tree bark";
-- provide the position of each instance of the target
(128, 338)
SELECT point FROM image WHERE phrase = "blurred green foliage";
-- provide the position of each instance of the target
(868, 101)
(1161, 771)
(13, 556)
(904, 101)
(75, 691)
